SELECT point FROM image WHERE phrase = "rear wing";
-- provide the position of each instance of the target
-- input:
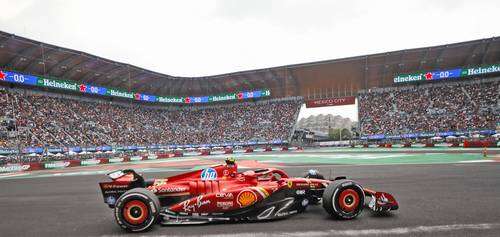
(121, 182)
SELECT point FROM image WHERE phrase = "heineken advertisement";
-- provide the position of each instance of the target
(447, 74)
(20, 78)
(90, 162)
(481, 70)
(56, 165)
(425, 135)
(116, 160)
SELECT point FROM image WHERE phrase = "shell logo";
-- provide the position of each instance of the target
(246, 198)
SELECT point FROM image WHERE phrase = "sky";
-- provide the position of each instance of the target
(208, 37)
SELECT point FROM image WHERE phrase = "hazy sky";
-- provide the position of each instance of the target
(207, 37)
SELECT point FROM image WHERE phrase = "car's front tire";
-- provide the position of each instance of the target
(137, 210)
(344, 199)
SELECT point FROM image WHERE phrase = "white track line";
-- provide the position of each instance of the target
(476, 161)
(366, 232)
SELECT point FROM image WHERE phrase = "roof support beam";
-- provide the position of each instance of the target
(90, 76)
(365, 73)
(295, 81)
(147, 82)
(62, 63)
(485, 52)
(33, 63)
(438, 61)
(27, 51)
(176, 88)
(159, 90)
(471, 55)
(69, 73)
(123, 80)
(423, 59)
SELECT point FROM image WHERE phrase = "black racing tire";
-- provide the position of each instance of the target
(137, 210)
(344, 199)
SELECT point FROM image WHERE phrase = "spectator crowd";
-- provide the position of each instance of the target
(42, 120)
(435, 107)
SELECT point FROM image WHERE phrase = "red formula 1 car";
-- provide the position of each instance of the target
(221, 193)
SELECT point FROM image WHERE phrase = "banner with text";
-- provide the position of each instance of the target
(350, 100)
(447, 74)
(19, 78)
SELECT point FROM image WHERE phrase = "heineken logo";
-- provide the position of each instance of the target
(223, 97)
(118, 93)
(59, 84)
(481, 70)
(410, 77)
(170, 99)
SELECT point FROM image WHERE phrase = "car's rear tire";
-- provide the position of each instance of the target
(137, 210)
(344, 199)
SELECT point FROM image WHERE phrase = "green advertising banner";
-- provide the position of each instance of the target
(58, 84)
(120, 93)
(481, 70)
(409, 77)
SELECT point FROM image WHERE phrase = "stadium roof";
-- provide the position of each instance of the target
(330, 78)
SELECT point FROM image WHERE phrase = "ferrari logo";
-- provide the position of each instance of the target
(290, 184)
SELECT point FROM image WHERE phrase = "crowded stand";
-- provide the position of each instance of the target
(45, 119)
(435, 107)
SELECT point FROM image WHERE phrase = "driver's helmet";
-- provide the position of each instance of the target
(230, 161)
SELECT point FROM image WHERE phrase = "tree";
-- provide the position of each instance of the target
(334, 134)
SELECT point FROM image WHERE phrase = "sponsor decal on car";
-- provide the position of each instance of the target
(193, 207)
(224, 195)
(346, 184)
(114, 186)
(300, 192)
(111, 200)
(225, 205)
(246, 198)
(159, 182)
(209, 174)
(262, 191)
(171, 189)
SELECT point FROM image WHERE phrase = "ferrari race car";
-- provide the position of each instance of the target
(221, 193)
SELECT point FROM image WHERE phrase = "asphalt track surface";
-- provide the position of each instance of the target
(437, 200)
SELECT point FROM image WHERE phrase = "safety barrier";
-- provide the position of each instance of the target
(33, 166)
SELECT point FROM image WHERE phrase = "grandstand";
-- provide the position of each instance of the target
(452, 106)
(56, 97)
